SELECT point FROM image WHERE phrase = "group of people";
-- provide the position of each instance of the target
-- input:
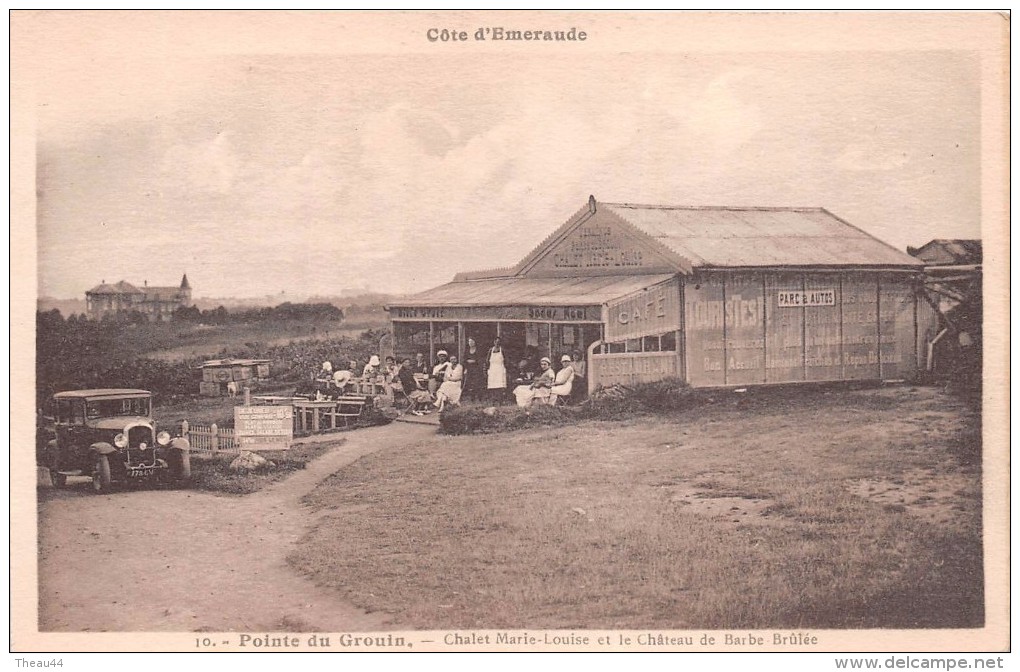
(482, 375)
(344, 380)
(485, 376)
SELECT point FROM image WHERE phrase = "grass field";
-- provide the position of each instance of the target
(173, 343)
(844, 509)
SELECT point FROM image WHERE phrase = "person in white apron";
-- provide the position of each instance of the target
(495, 371)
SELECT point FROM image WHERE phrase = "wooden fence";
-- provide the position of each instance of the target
(210, 438)
(631, 368)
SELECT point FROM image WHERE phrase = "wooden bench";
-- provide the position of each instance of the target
(350, 406)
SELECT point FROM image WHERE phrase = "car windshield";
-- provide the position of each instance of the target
(106, 408)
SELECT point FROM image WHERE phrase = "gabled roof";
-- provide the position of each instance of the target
(125, 287)
(122, 287)
(943, 252)
(759, 237)
(103, 288)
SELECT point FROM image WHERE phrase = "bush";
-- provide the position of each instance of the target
(662, 396)
(493, 420)
(667, 396)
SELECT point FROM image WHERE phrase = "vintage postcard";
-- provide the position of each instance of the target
(510, 331)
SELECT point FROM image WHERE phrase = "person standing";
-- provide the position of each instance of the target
(495, 370)
(472, 370)
(420, 365)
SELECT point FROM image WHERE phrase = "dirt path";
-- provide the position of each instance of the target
(174, 560)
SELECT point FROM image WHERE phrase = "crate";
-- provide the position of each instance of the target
(207, 389)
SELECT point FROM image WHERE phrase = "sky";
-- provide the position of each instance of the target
(313, 174)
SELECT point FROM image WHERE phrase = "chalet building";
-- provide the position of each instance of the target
(715, 296)
(156, 303)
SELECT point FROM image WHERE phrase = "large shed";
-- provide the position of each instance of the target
(717, 296)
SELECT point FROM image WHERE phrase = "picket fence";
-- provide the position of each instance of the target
(210, 438)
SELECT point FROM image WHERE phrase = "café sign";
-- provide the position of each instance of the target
(651, 311)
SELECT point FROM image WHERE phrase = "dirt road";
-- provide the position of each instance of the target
(181, 561)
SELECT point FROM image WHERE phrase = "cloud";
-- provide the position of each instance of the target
(718, 118)
(206, 166)
(869, 155)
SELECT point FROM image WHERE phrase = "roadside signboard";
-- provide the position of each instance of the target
(264, 427)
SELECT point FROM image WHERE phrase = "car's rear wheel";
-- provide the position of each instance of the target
(101, 480)
(59, 480)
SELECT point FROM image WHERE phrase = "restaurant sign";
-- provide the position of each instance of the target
(264, 427)
(495, 313)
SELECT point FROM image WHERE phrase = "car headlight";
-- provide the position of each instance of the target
(163, 438)
(143, 445)
(120, 440)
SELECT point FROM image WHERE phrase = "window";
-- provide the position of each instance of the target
(651, 343)
(667, 342)
(64, 410)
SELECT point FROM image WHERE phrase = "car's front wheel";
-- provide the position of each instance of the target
(181, 465)
(101, 480)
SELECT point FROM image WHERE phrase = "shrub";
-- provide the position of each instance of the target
(662, 396)
(665, 396)
(474, 420)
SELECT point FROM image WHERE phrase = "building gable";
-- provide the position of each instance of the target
(598, 242)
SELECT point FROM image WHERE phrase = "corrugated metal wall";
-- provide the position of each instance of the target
(747, 328)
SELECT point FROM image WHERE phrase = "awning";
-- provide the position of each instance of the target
(531, 291)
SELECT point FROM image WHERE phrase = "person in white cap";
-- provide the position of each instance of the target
(538, 390)
(450, 390)
(372, 368)
(564, 382)
(438, 371)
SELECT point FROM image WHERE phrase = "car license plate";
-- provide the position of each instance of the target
(138, 473)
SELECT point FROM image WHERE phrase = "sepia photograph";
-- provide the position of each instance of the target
(509, 331)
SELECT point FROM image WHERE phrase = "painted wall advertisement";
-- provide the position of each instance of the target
(752, 328)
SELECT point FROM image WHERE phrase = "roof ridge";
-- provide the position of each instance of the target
(485, 274)
(758, 208)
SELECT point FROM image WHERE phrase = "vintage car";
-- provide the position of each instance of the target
(109, 434)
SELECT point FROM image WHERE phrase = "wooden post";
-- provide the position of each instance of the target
(432, 344)
(184, 429)
(214, 439)
(247, 396)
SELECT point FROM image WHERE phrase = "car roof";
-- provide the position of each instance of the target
(103, 392)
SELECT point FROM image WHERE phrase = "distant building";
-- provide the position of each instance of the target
(156, 303)
(945, 252)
